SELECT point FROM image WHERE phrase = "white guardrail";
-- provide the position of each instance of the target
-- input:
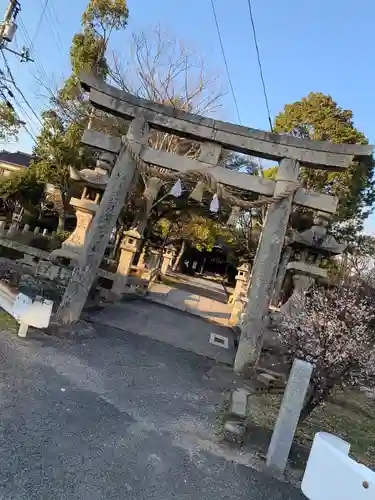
(26, 311)
(332, 475)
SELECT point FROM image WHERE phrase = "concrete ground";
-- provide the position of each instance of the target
(169, 325)
(117, 416)
(217, 311)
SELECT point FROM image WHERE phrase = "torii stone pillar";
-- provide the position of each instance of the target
(264, 271)
(85, 272)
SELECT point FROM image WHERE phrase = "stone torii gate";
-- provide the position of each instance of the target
(290, 152)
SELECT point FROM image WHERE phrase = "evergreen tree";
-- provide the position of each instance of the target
(318, 117)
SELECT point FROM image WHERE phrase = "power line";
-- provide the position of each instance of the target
(260, 63)
(22, 122)
(55, 34)
(4, 88)
(42, 14)
(31, 134)
(17, 88)
(225, 62)
(38, 62)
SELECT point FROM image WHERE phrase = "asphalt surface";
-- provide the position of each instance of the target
(118, 416)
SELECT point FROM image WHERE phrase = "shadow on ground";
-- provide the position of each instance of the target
(117, 416)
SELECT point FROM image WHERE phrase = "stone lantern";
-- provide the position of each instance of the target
(168, 255)
(238, 299)
(313, 245)
(242, 280)
(94, 183)
(128, 249)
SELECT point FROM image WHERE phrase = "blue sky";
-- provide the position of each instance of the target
(322, 46)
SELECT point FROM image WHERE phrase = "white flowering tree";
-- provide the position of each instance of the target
(334, 331)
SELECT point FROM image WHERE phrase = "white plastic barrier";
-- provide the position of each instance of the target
(26, 311)
(332, 475)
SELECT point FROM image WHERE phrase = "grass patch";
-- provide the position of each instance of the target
(349, 415)
(7, 322)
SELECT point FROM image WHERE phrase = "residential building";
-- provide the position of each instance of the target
(11, 162)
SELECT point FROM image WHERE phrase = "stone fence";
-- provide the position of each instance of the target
(16, 227)
(137, 279)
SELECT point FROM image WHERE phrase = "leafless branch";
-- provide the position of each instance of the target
(163, 69)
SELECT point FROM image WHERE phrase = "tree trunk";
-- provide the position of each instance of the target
(312, 401)
(176, 264)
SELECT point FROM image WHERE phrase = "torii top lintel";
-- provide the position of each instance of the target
(312, 154)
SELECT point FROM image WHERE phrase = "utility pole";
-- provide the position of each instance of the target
(8, 27)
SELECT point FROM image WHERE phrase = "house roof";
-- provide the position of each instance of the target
(17, 158)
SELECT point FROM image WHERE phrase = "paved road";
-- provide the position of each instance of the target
(119, 416)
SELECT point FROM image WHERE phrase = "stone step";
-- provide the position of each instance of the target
(272, 373)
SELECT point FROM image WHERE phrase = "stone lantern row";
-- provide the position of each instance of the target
(94, 182)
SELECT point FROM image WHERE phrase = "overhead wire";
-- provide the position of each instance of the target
(261, 171)
(225, 61)
(52, 24)
(10, 74)
(260, 64)
(39, 24)
(6, 97)
(42, 77)
(11, 80)
(38, 64)
(27, 127)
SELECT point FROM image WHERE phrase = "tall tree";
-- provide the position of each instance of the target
(58, 145)
(318, 117)
(55, 152)
(89, 47)
(9, 122)
(162, 68)
(21, 188)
